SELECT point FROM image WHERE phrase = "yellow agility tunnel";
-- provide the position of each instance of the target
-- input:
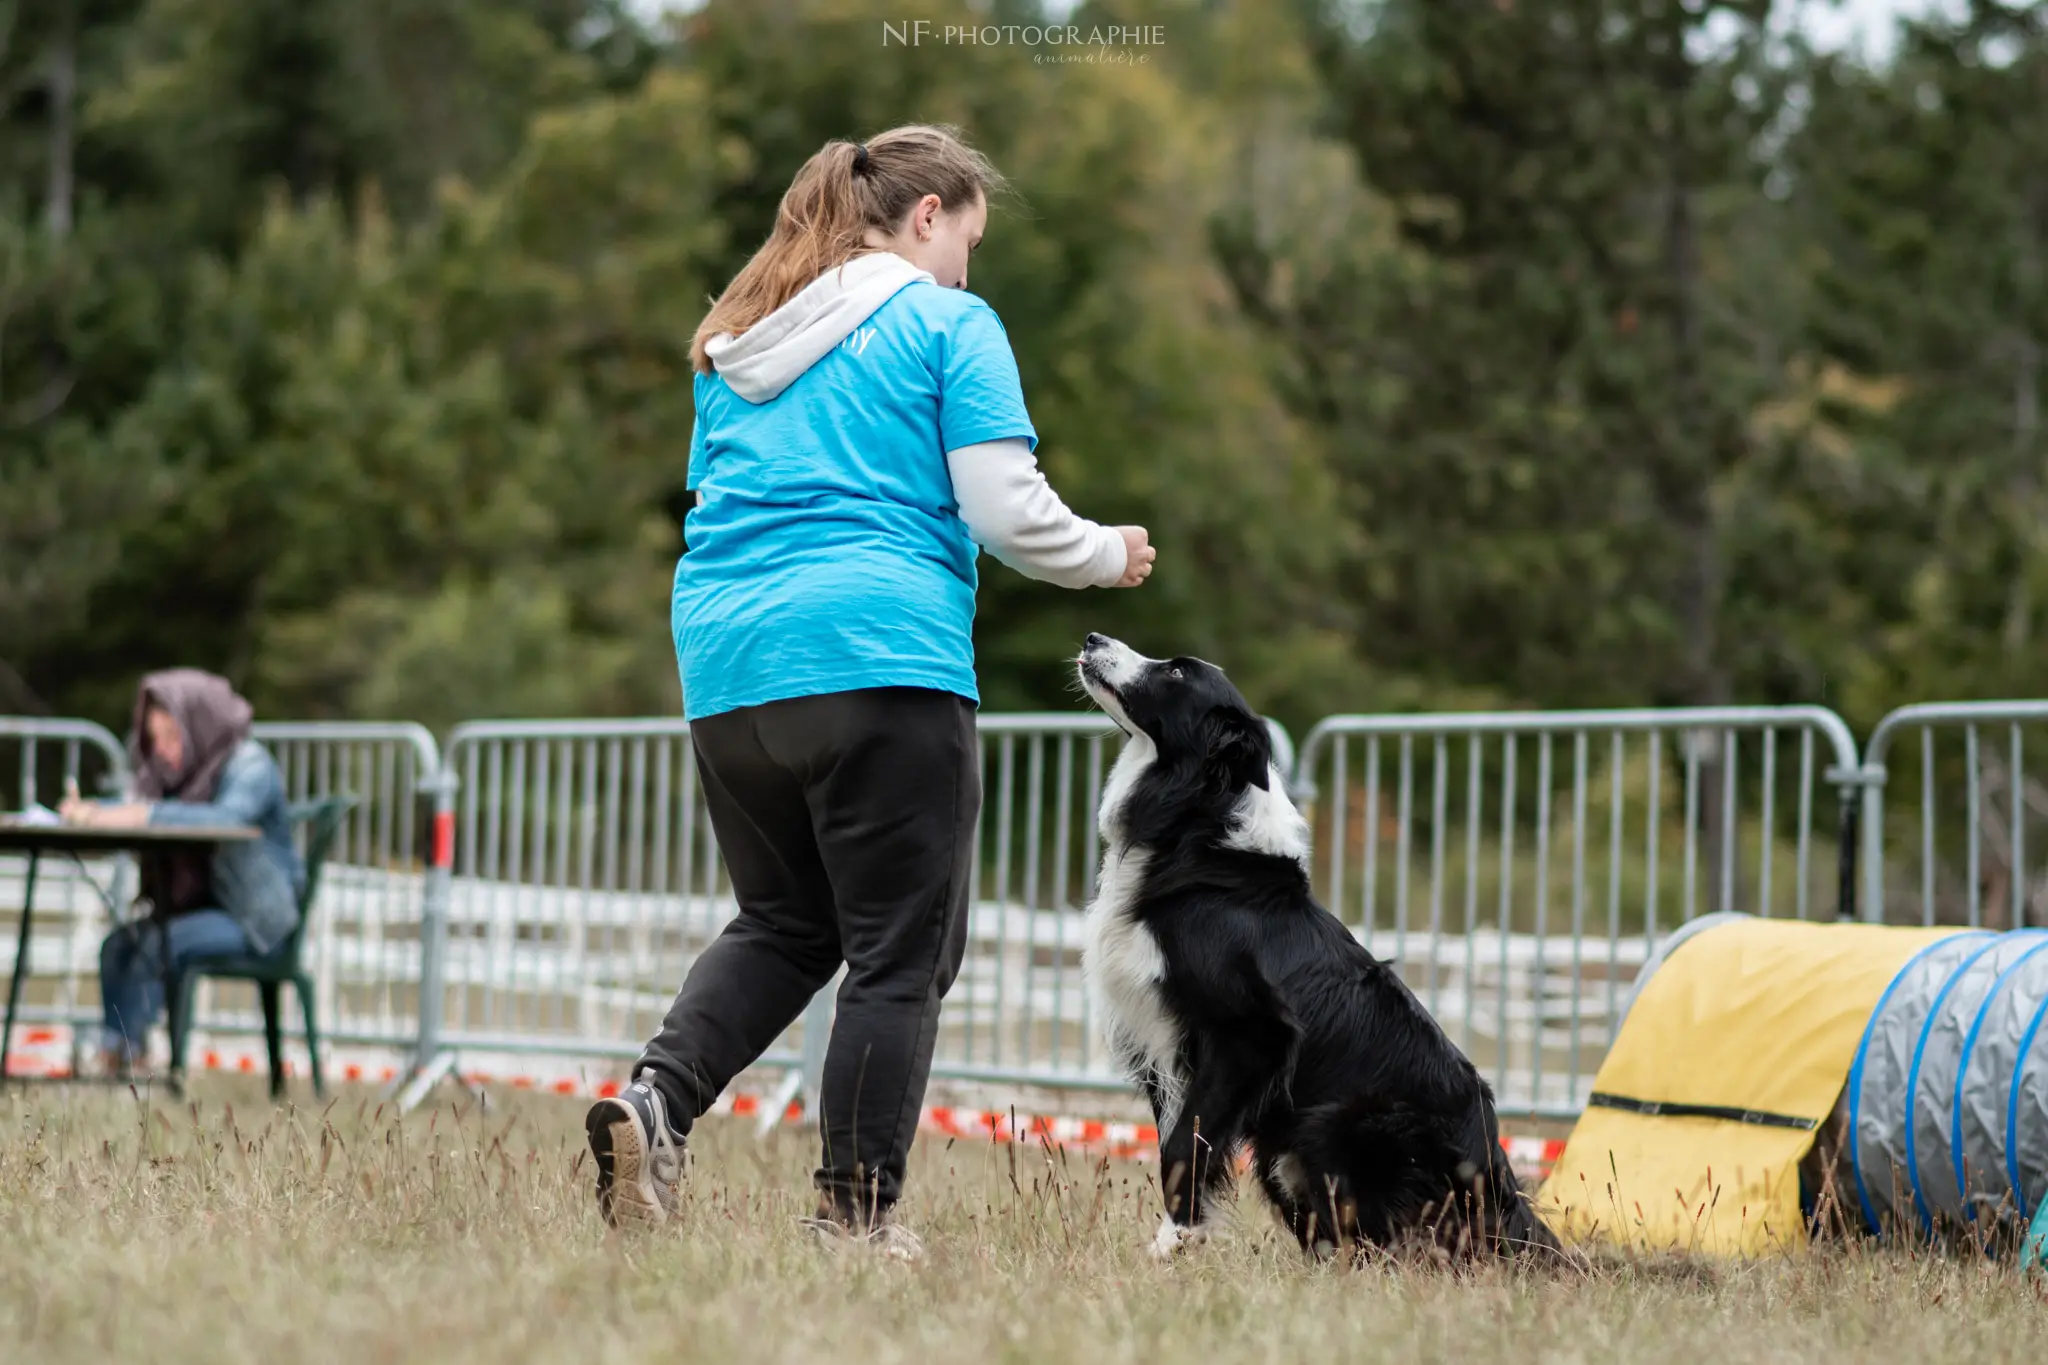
(1741, 1036)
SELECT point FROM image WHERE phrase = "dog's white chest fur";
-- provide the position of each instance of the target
(1120, 958)
(1126, 975)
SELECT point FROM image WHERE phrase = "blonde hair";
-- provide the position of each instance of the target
(835, 198)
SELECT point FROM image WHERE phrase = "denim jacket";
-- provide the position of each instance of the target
(258, 883)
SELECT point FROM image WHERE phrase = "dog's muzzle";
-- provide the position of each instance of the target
(1110, 664)
(1107, 667)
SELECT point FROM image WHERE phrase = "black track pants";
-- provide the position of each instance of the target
(847, 822)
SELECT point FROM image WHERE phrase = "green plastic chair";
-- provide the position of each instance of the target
(322, 818)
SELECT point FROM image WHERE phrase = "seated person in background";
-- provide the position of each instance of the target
(194, 764)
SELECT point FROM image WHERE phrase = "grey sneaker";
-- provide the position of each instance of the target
(639, 1157)
(892, 1240)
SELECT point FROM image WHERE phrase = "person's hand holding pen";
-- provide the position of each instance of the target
(76, 810)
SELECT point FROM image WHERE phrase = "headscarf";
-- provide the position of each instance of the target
(214, 720)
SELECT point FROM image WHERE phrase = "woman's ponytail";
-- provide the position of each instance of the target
(822, 223)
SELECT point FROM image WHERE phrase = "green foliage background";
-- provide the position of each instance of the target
(1456, 352)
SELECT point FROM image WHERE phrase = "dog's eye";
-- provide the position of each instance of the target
(1175, 672)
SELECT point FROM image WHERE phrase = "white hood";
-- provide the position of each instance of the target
(774, 352)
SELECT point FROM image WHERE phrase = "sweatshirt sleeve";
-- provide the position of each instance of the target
(1013, 513)
(249, 785)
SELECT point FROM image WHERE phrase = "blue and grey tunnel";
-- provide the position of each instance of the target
(1774, 1078)
(1948, 1095)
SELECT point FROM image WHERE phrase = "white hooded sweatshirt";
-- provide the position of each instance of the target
(1009, 508)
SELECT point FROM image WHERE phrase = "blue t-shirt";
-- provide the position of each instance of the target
(829, 553)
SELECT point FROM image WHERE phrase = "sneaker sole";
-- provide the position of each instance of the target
(626, 1195)
(838, 1239)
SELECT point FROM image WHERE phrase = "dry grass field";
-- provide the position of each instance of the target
(222, 1230)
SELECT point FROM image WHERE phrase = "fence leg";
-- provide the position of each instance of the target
(1872, 833)
(430, 1063)
(422, 1080)
(1860, 849)
(804, 1082)
(1845, 893)
(777, 1104)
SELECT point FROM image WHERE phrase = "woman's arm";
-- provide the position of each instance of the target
(1014, 514)
(249, 784)
(76, 810)
(990, 448)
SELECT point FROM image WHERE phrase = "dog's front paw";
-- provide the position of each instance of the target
(1172, 1239)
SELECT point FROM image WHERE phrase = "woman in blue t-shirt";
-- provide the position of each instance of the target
(860, 430)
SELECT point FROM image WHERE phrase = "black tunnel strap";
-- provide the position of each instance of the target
(1669, 1109)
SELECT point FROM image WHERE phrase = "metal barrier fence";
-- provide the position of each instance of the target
(554, 880)
(1969, 863)
(586, 882)
(1019, 1014)
(43, 754)
(363, 946)
(73, 896)
(1522, 886)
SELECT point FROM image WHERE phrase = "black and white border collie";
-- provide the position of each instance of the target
(1249, 1015)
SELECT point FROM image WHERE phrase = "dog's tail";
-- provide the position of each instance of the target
(1445, 1177)
(1513, 1226)
(1518, 1230)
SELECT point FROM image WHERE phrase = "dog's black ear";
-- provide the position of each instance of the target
(1240, 752)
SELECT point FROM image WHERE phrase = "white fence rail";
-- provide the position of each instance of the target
(1964, 860)
(1573, 838)
(541, 887)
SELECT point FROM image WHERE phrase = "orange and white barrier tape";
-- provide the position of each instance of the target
(1531, 1157)
(46, 1052)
